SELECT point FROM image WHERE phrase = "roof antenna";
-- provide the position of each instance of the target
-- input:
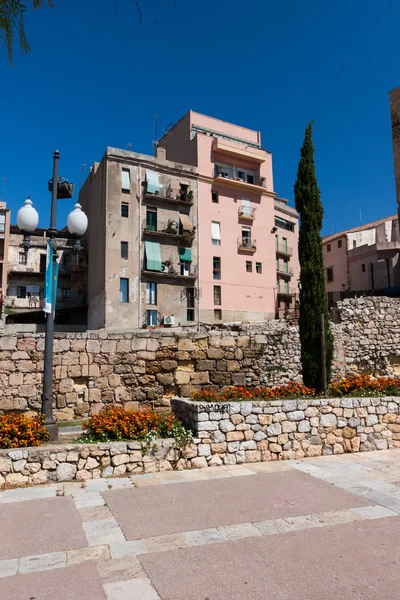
(360, 217)
(155, 140)
(81, 175)
(128, 146)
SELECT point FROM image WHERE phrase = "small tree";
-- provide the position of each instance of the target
(313, 300)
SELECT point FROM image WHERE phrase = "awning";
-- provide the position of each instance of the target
(185, 254)
(153, 185)
(186, 224)
(153, 256)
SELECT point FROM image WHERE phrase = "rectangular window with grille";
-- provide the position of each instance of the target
(217, 295)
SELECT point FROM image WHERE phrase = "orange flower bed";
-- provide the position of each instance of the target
(18, 430)
(116, 423)
(292, 389)
(353, 384)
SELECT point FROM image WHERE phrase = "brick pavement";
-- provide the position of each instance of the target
(322, 528)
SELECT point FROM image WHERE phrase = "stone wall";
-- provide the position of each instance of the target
(229, 433)
(149, 367)
(239, 432)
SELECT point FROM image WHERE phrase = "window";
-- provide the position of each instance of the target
(215, 197)
(286, 287)
(151, 219)
(328, 248)
(216, 267)
(21, 291)
(362, 268)
(124, 250)
(124, 290)
(124, 209)
(151, 317)
(340, 243)
(284, 243)
(217, 314)
(245, 175)
(216, 233)
(66, 293)
(190, 304)
(249, 266)
(125, 181)
(183, 191)
(22, 258)
(354, 243)
(185, 268)
(285, 266)
(151, 293)
(246, 237)
(277, 242)
(284, 224)
(2, 222)
(217, 295)
(246, 208)
(329, 275)
(258, 268)
(278, 286)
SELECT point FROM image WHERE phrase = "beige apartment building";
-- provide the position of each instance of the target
(26, 280)
(141, 241)
(4, 241)
(363, 258)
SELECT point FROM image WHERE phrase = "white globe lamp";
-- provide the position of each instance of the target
(77, 221)
(27, 217)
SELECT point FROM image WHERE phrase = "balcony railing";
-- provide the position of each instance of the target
(172, 271)
(247, 212)
(167, 194)
(283, 249)
(282, 270)
(247, 244)
(170, 229)
(286, 291)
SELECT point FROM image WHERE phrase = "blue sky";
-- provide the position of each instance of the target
(95, 78)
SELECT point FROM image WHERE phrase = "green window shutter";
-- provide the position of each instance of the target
(153, 256)
(185, 254)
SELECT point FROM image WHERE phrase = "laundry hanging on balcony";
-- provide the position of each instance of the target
(153, 184)
(153, 256)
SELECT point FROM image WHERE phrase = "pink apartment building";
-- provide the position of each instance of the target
(363, 258)
(248, 267)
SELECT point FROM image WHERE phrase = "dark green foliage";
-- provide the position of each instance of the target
(313, 300)
(12, 21)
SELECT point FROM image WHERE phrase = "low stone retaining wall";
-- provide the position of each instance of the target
(239, 432)
(228, 433)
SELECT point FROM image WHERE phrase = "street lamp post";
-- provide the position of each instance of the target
(27, 220)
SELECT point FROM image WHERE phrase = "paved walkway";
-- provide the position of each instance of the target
(317, 529)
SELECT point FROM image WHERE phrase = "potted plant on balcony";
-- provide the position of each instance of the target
(172, 226)
(190, 195)
(262, 181)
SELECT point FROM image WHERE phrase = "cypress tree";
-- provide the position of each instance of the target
(313, 299)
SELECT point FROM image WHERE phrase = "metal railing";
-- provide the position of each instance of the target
(288, 291)
(246, 212)
(170, 227)
(283, 249)
(245, 243)
(284, 271)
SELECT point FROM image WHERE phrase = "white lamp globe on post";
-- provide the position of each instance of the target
(77, 221)
(27, 217)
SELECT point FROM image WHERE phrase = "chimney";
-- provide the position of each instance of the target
(161, 153)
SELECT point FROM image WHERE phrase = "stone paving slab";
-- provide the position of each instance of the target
(80, 582)
(38, 527)
(311, 564)
(215, 503)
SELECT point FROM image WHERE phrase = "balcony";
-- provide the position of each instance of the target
(169, 230)
(286, 291)
(246, 244)
(171, 274)
(240, 178)
(284, 270)
(247, 213)
(283, 249)
(170, 196)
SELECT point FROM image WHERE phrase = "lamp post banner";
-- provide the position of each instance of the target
(48, 280)
(55, 284)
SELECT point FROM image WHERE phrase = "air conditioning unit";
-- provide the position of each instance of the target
(169, 320)
(165, 268)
